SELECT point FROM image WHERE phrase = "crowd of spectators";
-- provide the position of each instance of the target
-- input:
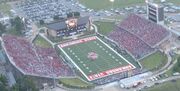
(138, 35)
(33, 60)
(148, 31)
(130, 42)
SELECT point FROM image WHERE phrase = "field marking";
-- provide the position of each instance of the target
(74, 63)
(115, 52)
(78, 41)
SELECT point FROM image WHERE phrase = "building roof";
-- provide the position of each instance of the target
(128, 82)
(57, 25)
(62, 24)
(83, 20)
(175, 17)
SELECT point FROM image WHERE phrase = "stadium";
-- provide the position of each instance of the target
(95, 58)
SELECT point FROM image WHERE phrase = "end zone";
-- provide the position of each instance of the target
(110, 72)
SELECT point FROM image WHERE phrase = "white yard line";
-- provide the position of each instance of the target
(73, 63)
(115, 52)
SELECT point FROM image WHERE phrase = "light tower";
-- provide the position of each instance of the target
(112, 1)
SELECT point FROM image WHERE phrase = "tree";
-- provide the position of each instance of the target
(18, 24)
(2, 28)
(178, 61)
(177, 67)
(41, 22)
(24, 84)
(12, 22)
(3, 79)
(56, 17)
(69, 15)
(3, 83)
(2, 87)
(76, 14)
(73, 14)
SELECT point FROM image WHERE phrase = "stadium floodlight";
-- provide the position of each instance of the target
(112, 1)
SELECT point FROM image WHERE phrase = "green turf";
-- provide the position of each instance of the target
(167, 86)
(106, 4)
(104, 61)
(105, 27)
(177, 2)
(41, 42)
(154, 61)
(13, 31)
(5, 8)
(117, 17)
(170, 71)
(75, 82)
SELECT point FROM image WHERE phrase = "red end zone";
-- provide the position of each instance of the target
(77, 41)
(110, 72)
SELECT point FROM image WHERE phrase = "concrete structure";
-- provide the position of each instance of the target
(69, 26)
(155, 12)
(134, 80)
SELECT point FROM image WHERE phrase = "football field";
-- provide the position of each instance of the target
(94, 58)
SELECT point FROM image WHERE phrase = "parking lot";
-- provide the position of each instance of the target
(46, 9)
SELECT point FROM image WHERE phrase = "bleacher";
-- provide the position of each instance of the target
(33, 60)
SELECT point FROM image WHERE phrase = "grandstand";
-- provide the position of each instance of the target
(32, 60)
(138, 35)
(146, 30)
(132, 43)
(94, 58)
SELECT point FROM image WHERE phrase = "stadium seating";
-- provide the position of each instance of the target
(138, 35)
(33, 60)
(132, 43)
(148, 31)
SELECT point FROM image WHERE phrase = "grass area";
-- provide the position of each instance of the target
(177, 2)
(170, 71)
(5, 8)
(105, 27)
(41, 42)
(106, 4)
(154, 61)
(117, 17)
(75, 82)
(13, 31)
(167, 86)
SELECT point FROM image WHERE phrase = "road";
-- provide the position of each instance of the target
(150, 84)
(164, 69)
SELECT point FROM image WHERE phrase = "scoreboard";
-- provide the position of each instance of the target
(71, 23)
